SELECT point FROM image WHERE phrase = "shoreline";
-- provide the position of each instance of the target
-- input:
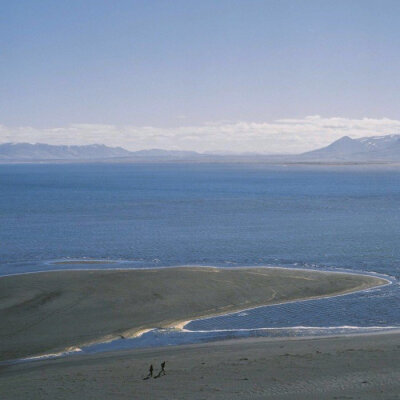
(363, 366)
(180, 325)
(320, 269)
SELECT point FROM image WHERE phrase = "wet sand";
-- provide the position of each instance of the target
(51, 311)
(365, 367)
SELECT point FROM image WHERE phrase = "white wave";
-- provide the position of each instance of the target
(293, 328)
(41, 357)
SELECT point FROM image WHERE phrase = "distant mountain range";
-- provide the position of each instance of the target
(39, 151)
(345, 150)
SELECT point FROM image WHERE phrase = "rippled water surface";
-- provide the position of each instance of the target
(226, 215)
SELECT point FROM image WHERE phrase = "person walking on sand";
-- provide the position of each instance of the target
(162, 370)
(150, 374)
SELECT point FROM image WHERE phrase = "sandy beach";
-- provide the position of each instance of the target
(52, 311)
(365, 367)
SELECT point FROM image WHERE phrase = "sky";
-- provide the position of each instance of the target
(266, 76)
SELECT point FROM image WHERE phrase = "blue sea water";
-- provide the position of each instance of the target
(206, 214)
(225, 215)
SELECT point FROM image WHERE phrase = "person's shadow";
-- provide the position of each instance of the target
(150, 374)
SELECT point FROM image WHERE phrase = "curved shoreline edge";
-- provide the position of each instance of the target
(180, 325)
(375, 282)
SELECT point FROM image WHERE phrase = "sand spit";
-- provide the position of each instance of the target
(51, 311)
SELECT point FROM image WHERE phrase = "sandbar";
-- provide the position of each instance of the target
(50, 311)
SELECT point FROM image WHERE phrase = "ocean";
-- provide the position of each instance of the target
(325, 218)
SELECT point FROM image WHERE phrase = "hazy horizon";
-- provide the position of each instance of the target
(282, 137)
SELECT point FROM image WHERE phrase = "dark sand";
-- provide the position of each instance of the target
(363, 367)
(52, 311)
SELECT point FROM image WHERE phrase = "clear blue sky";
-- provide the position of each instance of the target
(167, 63)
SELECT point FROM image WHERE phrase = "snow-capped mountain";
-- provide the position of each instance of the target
(373, 148)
